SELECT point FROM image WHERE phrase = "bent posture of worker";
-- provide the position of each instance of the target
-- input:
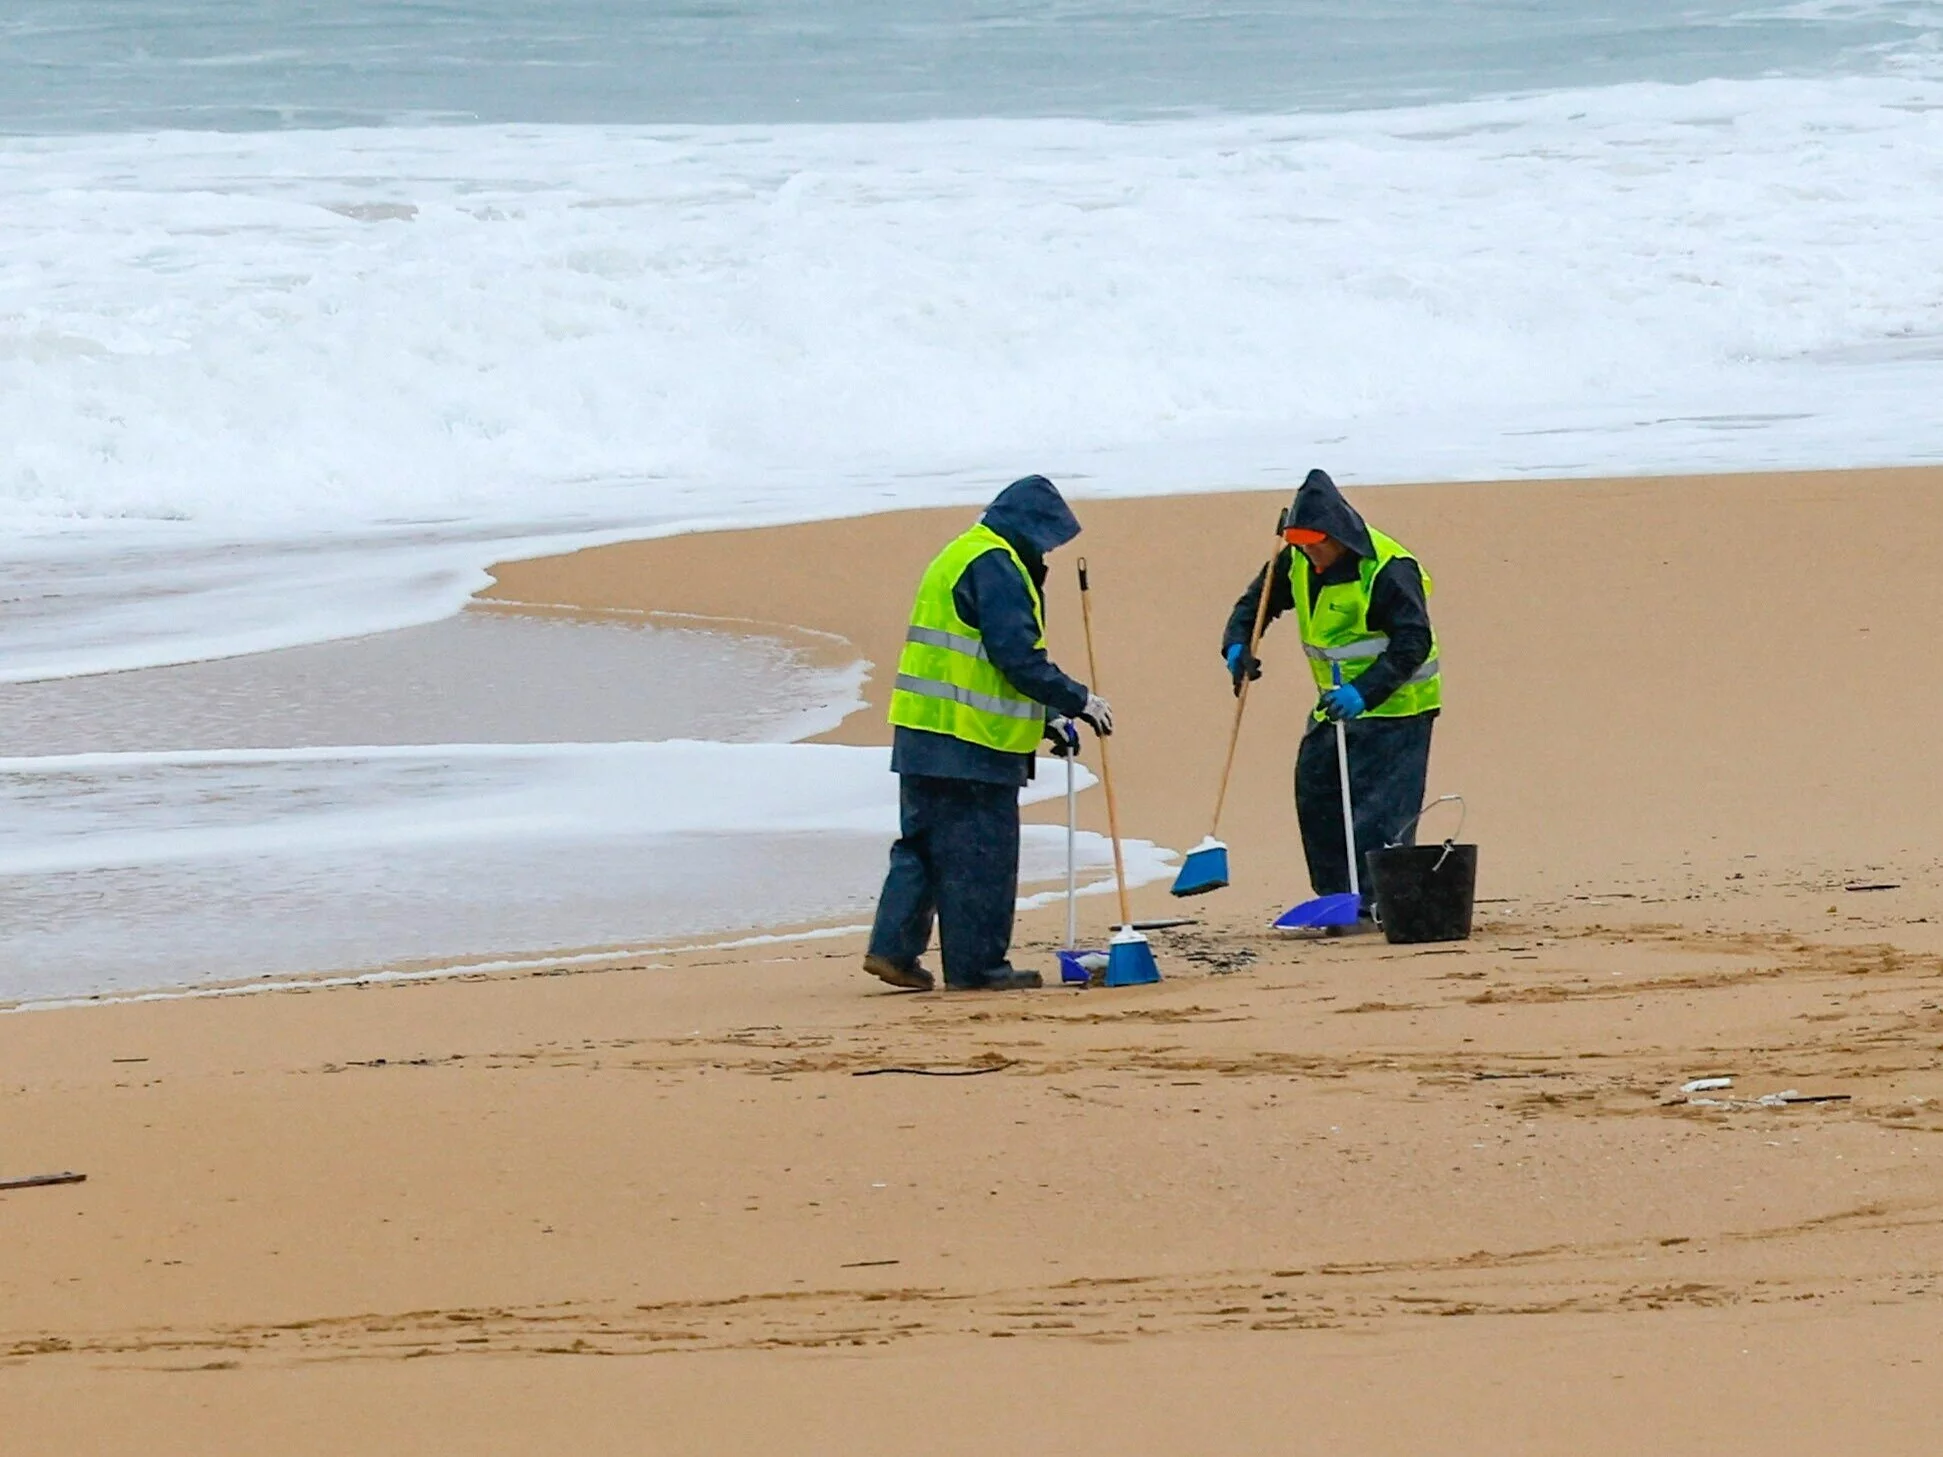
(1360, 599)
(974, 696)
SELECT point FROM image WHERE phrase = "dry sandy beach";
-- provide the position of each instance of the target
(1301, 1197)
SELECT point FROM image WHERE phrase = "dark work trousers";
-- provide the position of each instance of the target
(1389, 760)
(955, 860)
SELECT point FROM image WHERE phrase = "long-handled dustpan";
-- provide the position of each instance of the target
(1076, 967)
(1129, 959)
(1333, 910)
(1206, 865)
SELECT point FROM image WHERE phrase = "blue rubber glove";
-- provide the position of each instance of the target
(1342, 702)
(1241, 666)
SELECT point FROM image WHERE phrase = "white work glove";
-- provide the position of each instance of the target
(1097, 715)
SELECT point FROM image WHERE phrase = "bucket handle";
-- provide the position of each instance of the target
(1450, 843)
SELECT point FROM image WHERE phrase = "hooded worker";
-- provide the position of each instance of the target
(1361, 604)
(974, 697)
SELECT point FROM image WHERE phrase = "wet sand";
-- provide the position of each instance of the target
(1303, 1196)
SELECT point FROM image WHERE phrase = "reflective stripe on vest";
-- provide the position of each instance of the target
(946, 682)
(1347, 642)
(1370, 648)
(985, 703)
(971, 647)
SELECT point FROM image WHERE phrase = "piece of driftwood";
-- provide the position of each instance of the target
(933, 1072)
(41, 1181)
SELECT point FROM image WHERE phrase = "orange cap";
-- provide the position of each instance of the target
(1304, 536)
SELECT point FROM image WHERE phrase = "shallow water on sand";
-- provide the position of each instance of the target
(494, 787)
(483, 677)
(191, 823)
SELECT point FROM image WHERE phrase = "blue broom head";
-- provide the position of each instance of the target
(1205, 869)
(1130, 960)
(1324, 910)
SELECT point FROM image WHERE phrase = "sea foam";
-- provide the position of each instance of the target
(326, 327)
(501, 333)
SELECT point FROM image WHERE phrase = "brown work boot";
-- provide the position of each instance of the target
(912, 978)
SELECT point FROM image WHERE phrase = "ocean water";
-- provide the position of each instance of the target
(310, 310)
(380, 291)
(125, 65)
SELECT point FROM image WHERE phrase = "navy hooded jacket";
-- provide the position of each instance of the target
(1034, 519)
(1397, 604)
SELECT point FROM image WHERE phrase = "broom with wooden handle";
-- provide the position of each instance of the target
(1206, 865)
(1129, 959)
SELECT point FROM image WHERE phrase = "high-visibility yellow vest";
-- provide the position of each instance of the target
(945, 683)
(1336, 631)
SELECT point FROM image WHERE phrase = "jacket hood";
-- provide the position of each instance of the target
(1032, 515)
(1319, 506)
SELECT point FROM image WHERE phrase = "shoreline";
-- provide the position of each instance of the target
(707, 580)
(685, 1207)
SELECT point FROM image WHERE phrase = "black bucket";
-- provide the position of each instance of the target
(1424, 892)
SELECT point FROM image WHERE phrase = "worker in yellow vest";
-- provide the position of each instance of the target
(975, 696)
(1361, 601)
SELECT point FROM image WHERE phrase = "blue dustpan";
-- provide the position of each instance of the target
(1205, 869)
(1130, 960)
(1324, 910)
